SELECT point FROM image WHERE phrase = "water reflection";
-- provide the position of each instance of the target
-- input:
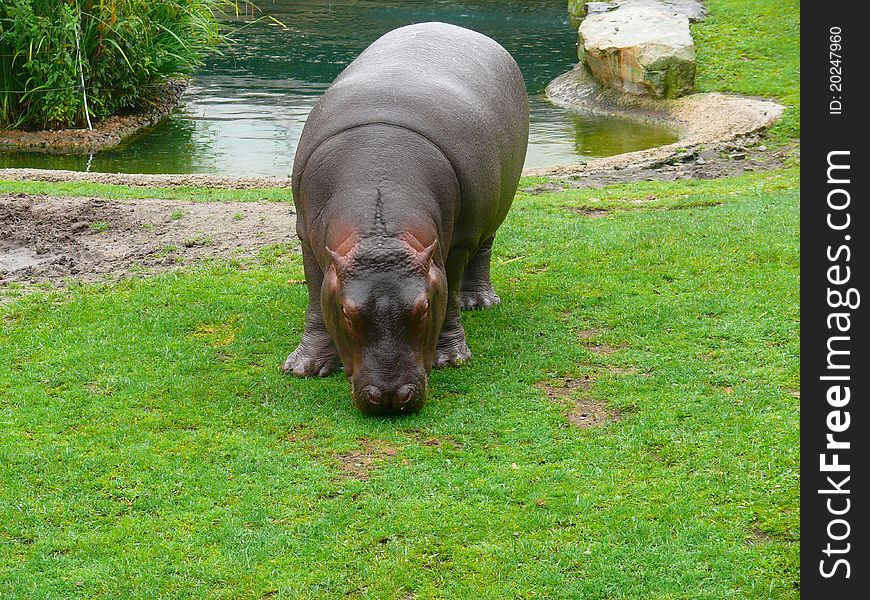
(559, 136)
(243, 113)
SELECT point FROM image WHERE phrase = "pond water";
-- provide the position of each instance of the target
(244, 111)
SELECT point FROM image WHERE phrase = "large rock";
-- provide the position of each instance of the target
(694, 10)
(639, 50)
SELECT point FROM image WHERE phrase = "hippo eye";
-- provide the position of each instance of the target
(346, 316)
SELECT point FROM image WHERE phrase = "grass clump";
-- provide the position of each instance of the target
(199, 240)
(99, 227)
(128, 49)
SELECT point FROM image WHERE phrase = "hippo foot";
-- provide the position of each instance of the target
(478, 299)
(454, 355)
(311, 364)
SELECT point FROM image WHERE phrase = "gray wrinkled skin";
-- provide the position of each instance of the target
(404, 171)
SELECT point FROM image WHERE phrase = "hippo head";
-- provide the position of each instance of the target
(383, 303)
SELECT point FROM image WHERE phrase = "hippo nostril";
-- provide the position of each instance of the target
(373, 394)
(405, 393)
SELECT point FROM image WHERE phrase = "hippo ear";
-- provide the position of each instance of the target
(338, 261)
(425, 255)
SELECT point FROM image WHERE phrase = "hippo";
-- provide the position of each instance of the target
(405, 169)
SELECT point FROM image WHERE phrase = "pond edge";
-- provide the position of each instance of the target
(106, 134)
(705, 119)
(702, 119)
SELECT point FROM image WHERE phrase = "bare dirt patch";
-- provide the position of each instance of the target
(358, 464)
(50, 238)
(560, 389)
(603, 349)
(589, 413)
(589, 213)
(711, 161)
(423, 438)
(583, 411)
(587, 334)
(758, 537)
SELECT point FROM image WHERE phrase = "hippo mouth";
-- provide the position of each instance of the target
(373, 400)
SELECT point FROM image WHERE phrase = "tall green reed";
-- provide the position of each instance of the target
(129, 48)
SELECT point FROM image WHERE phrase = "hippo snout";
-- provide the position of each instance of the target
(381, 400)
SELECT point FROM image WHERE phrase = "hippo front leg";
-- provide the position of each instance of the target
(316, 355)
(451, 350)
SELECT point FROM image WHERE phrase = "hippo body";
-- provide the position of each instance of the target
(405, 169)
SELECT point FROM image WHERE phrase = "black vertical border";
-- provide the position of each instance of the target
(824, 132)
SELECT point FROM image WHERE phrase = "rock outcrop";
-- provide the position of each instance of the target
(694, 10)
(639, 50)
(641, 47)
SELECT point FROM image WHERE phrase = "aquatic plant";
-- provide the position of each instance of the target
(62, 61)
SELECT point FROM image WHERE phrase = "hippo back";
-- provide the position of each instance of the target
(457, 88)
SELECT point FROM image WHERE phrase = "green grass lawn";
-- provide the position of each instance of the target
(752, 47)
(151, 448)
(127, 192)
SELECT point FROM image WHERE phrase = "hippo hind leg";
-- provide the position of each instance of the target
(477, 291)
